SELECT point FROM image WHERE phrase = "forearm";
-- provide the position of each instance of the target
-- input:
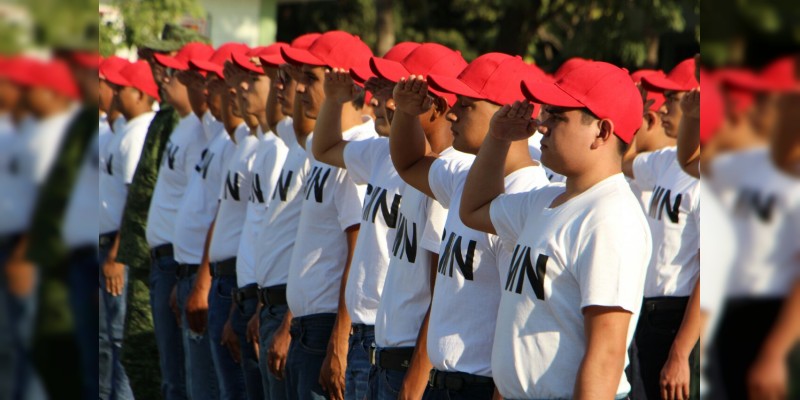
(112, 252)
(689, 331)
(286, 324)
(689, 145)
(328, 134)
(598, 377)
(203, 279)
(410, 152)
(602, 366)
(484, 183)
(341, 327)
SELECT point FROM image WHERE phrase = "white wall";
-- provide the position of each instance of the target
(233, 21)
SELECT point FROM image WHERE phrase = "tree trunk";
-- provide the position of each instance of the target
(384, 26)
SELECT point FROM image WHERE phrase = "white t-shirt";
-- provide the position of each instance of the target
(235, 190)
(719, 241)
(406, 292)
(760, 199)
(181, 155)
(368, 162)
(118, 163)
(10, 179)
(285, 131)
(331, 204)
(674, 217)
(201, 200)
(467, 288)
(588, 251)
(269, 156)
(210, 126)
(80, 218)
(282, 219)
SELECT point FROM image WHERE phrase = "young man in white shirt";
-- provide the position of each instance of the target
(196, 214)
(181, 155)
(135, 91)
(368, 162)
(329, 224)
(572, 289)
(467, 291)
(664, 354)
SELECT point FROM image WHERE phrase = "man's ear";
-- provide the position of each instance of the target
(604, 134)
(651, 118)
(440, 106)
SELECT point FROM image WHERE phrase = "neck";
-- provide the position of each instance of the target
(135, 113)
(350, 117)
(440, 138)
(262, 121)
(579, 183)
(518, 157)
(57, 107)
(747, 136)
(112, 117)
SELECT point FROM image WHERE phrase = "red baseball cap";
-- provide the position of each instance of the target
(301, 42)
(54, 75)
(681, 78)
(18, 70)
(244, 61)
(493, 76)
(657, 98)
(741, 86)
(569, 65)
(190, 51)
(335, 49)
(137, 75)
(267, 53)
(397, 53)
(605, 89)
(216, 62)
(112, 63)
(711, 108)
(87, 59)
(779, 74)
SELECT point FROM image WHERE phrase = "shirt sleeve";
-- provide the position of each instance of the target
(610, 265)
(359, 158)
(434, 227)
(348, 198)
(646, 167)
(508, 212)
(443, 178)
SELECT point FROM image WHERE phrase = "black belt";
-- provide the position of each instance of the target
(397, 359)
(356, 329)
(652, 304)
(241, 294)
(107, 239)
(165, 250)
(273, 295)
(224, 268)
(186, 270)
(456, 381)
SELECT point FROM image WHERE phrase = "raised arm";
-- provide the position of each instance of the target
(328, 144)
(411, 153)
(689, 134)
(485, 179)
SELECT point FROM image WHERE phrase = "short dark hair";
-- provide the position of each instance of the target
(587, 117)
(358, 101)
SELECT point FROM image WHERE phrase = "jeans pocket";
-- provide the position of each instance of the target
(224, 289)
(391, 380)
(313, 342)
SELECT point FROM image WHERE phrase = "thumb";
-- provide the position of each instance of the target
(427, 102)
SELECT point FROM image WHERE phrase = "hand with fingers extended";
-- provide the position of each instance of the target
(690, 104)
(513, 122)
(231, 342)
(114, 274)
(197, 310)
(380, 88)
(674, 379)
(411, 95)
(253, 332)
(331, 376)
(339, 86)
(278, 351)
(768, 378)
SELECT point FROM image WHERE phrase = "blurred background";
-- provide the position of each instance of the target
(634, 34)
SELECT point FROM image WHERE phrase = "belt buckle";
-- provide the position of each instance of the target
(373, 356)
(432, 378)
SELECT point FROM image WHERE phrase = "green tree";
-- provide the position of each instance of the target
(143, 20)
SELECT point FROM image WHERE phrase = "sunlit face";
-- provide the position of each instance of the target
(105, 96)
(127, 98)
(671, 112)
(470, 122)
(285, 86)
(255, 98)
(216, 90)
(196, 88)
(567, 139)
(310, 89)
(174, 91)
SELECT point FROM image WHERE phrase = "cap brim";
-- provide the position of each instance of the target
(548, 93)
(388, 69)
(87, 60)
(244, 62)
(272, 60)
(300, 57)
(360, 74)
(208, 66)
(116, 78)
(170, 62)
(449, 84)
(662, 83)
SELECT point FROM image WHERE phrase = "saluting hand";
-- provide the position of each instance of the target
(411, 95)
(513, 122)
(690, 104)
(380, 88)
(339, 86)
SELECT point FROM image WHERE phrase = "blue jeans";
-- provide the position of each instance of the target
(358, 365)
(310, 337)
(6, 344)
(167, 331)
(114, 383)
(384, 384)
(84, 304)
(473, 393)
(201, 379)
(22, 321)
(229, 373)
(249, 363)
(271, 319)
